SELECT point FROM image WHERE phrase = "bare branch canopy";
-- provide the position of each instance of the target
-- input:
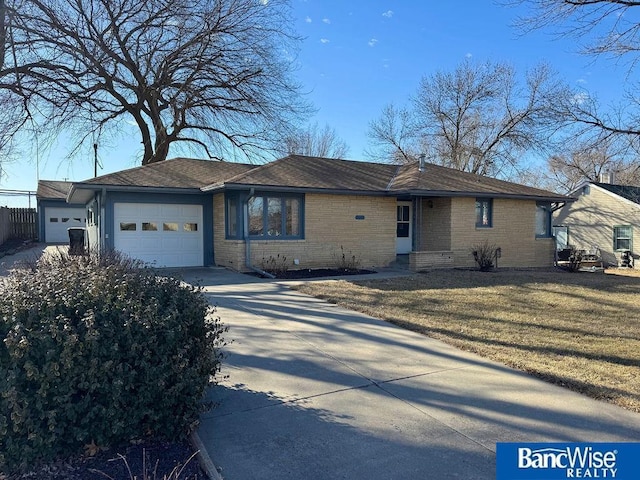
(215, 74)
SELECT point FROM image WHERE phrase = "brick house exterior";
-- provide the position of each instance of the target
(307, 212)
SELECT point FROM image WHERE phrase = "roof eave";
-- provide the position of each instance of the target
(94, 187)
(449, 193)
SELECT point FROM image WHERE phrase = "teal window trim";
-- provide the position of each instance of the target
(543, 225)
(484, 212)
(620, 238)
(272, 216)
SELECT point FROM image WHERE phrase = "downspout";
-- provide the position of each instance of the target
(101, 200)
(247, 240)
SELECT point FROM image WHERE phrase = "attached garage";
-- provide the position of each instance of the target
(164, 235)
(58, 219)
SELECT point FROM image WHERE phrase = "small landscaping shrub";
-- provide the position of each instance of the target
(574, 260)
(275, 265)
(95, 350)
(346, 260)
(485, 255)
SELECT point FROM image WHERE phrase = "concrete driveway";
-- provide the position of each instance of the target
(314, 391)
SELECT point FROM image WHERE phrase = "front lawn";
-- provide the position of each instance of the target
(579, 330)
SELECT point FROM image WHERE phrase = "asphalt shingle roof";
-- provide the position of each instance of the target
(625, 191)
(53, 189)
(297, 171)
(435, 178)
(318, 174)
(173, 173)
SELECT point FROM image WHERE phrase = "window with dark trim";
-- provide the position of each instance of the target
(484, 212)
(622, 237)
(543, 220)
(269, 216)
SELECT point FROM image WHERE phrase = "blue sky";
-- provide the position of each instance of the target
(359, 55)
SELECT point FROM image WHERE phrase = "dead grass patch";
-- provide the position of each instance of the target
(578, 330)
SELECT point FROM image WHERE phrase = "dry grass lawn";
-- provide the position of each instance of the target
(579, 330)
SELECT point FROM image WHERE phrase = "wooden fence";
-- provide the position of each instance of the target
(18, 223)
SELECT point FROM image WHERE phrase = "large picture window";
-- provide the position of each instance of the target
(269, 216)
(484, 212)
(623, 237)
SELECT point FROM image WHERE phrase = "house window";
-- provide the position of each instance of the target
(543, 220)
(292, 218)
(190, 227)
(232, 217)
(127, 226)
(623, 237)
(169, 227)
(484, 212)
(256, 216)
(149, 226)
(403, 221)
(269, 216)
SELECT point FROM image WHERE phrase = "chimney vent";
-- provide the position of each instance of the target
(422, 162)
(607, 176)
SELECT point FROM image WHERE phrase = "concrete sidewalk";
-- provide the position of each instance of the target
(315, 391)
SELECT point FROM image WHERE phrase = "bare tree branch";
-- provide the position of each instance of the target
(478, 118)
(315, 142)
(206, 73)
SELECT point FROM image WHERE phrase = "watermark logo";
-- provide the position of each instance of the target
(551, 461)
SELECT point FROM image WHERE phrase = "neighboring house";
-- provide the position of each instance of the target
(605, 217)
(308, 211)
(55, 215)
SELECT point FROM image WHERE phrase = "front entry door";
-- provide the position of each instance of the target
(403, 228)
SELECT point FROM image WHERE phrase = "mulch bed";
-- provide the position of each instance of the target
(315, 273)
(158, 458)
(13, 245)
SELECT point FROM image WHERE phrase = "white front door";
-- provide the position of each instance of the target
(404, 229)
(164, 235)
(58, 219)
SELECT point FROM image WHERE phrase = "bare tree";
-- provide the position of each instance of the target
(216, 74)
(394, 136)
(317, 142)
(589, 159)
(478, 118)
(604, 27)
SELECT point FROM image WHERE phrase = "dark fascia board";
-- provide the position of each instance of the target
(91, 188)
(397, 193)
(434, 193)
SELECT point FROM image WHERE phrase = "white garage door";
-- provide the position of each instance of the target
(164, 235)
(57, 220)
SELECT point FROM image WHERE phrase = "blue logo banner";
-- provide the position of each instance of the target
(552, 461)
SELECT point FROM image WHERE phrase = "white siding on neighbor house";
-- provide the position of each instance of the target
(164, 235)
(591, 219)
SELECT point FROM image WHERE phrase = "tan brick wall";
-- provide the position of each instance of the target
(591, 219)
(513, 231)
(330, 224)
(436, 224)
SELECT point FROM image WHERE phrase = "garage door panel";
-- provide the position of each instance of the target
(172, 244)
(58, 219)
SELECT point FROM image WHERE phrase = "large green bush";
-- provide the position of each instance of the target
(98, 350)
